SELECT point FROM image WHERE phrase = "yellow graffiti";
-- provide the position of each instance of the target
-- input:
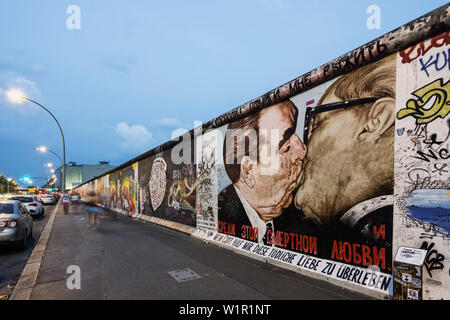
(440, 108)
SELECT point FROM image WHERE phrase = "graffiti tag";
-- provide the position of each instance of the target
(436, 62)
(418, 108)
(443, 154)
(441, 170)
(433, 260)
(419, 50)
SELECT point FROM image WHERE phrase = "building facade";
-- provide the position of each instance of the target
(77, 174)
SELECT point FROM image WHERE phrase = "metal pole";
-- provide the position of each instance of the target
(59, 160)
(63, 180)
(55, 155)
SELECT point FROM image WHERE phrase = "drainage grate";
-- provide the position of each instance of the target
(184, 275)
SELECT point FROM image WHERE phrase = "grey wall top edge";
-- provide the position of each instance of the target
(411, 33)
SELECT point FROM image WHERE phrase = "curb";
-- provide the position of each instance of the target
(24, 287)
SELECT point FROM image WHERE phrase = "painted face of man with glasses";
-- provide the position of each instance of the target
(350, 140)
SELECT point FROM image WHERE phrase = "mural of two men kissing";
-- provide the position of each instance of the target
(331, 195)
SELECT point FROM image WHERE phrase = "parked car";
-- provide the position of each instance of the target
(34, 207)
(16, 224)
(48, 199)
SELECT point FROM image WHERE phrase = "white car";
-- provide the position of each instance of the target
(48, 199)
(16, 224)
(34, 207)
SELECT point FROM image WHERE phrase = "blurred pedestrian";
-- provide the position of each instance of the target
(92, 216)
(66, 203)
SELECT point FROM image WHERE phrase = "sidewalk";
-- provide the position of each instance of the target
(129, 259)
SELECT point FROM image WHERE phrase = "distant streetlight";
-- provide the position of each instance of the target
(9, 180)
(44, 149)
(17, 96)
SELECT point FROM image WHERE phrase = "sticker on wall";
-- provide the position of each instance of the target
(158, 182)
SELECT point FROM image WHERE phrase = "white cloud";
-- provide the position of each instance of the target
(135, 137)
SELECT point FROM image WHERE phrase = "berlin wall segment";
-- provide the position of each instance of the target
(361, 147)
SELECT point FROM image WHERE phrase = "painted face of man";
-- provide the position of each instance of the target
(346, 162)
(273, 178)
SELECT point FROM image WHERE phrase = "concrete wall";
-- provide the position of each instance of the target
(326, 175)
(422, 141)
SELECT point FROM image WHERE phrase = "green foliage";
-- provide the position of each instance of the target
(4, 185)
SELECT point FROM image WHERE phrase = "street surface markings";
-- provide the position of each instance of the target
(184, 275)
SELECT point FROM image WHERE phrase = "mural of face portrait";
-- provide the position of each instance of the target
(264, 183)
(350, 148)
(271, 192)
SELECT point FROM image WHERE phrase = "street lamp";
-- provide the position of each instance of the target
(16, 96)
(44, 149)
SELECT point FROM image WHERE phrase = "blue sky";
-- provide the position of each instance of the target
(137, 70)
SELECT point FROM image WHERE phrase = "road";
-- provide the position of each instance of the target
(12, 261)
(131, 259)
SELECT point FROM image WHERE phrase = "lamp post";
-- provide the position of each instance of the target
(44, 149)
(16, 96)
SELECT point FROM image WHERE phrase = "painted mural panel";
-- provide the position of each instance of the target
(168, 190)
(145, 166)
(207, 184)
(422, 210)
(113, 199)
(315, 174)
(88, 192)
(103, 191)
(122, 190)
